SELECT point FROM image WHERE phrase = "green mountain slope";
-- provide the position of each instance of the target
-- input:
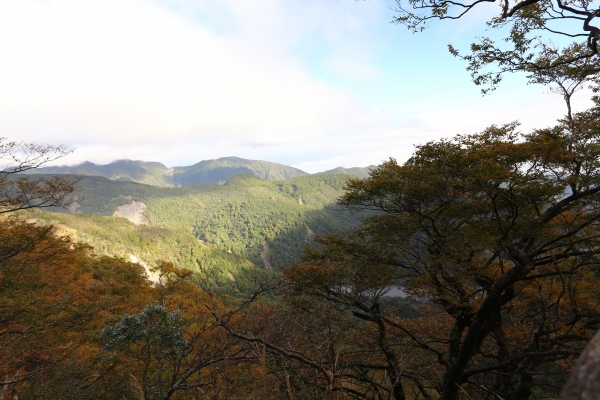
(150, 173)
(361, 172)
(266, 221)
(149, 245)
(208, 171)
(157, 174)
(222, 169)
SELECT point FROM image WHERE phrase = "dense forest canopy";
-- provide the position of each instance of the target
(490, 240)
(207, 171)
(493, 238)
(267, 222)
(499, 232)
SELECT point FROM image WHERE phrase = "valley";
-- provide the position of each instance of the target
(246, 223)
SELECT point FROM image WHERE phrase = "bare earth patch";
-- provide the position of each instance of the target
(134, 211)
(264, 256)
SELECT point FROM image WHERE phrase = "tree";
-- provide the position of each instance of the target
(172, 348)
(565, 79)
(497, 235)
(583, 383)
(19, 192)
(54, 298)
(55, 295)
(529, 26)
(307, 352)
(304, 349)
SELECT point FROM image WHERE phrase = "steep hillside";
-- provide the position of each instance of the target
(266, 221)
(149, 245)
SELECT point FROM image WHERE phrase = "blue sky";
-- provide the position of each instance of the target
(313, 84)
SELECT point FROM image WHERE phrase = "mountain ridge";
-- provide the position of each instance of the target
(265, 221)
(218, 170)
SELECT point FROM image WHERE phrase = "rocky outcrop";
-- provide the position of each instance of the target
(134, 212)
(152, 276)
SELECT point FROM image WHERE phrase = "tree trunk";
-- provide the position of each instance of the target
(584, 383)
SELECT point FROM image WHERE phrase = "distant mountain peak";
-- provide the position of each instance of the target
(361, 172)
(157, 174)
(218, 170)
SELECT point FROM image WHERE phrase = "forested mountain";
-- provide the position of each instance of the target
(266, 221)
(148, 245)
(157, 174)
(151, 173)
(207, 171)
(490, 240)
(361, 172)
(222, 169)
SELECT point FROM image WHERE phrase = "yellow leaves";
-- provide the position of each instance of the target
(487, 230)
(55, 296)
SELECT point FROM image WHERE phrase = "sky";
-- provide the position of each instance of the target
(315, 84)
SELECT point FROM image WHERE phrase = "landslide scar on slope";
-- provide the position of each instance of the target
(265, 256)
(310, 234)
(134, 211)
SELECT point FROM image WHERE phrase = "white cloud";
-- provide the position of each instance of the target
(179, 81)
(353, 64)
(126, 72)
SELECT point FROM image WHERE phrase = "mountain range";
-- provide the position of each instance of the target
(226, 212)
(267, 222)
(207, 171)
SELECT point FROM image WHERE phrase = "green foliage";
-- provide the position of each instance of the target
(223, 169)
(154, 329)
(361, 172)
(112, 236)
(259, 220)
(522, 39)
(156, 174)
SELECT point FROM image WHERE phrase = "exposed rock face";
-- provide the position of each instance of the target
(74, 206)
(584, 383)
(134, 211)
(152, 276)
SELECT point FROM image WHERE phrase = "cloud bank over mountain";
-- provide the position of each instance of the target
(313, 84)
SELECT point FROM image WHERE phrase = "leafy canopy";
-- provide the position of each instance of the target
(497, 235)
(532, 32)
